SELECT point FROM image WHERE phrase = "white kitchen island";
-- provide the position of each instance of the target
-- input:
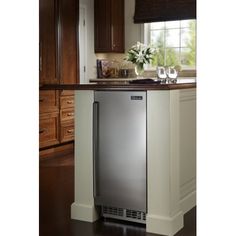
(171, 154)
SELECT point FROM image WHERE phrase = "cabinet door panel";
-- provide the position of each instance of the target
(102, 24)
(68, 24)
(47, 42)
(48, 129)
(117, 27)
(48, 101)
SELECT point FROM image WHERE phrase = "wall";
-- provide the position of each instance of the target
(91, 58)
(133, 33)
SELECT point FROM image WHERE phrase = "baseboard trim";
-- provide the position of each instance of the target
(164, 225)
(188, 202)
(82, 212)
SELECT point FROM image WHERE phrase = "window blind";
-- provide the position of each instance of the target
(164, 10)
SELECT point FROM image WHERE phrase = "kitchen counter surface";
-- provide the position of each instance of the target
(127, 80)
(123, 84)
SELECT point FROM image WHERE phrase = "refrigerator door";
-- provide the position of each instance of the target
(120, 149)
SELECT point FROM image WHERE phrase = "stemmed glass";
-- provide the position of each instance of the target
(167, 75)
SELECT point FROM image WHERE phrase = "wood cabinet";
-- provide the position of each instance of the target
(67, 132)
(67, 101)
(56, 117)
(48, 118)
(48, 101)
(68, 41)
(109, 26)
(48, 129)
(47, 42)
(67, 116)
(58, 42)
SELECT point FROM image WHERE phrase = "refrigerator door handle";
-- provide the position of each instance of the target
(95, 146)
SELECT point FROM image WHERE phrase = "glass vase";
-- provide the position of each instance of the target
(139, 69)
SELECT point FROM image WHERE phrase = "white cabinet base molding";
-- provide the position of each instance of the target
(165, 225)
(84, 212)
(188, 202)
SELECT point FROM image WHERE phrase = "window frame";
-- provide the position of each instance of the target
(145, 31)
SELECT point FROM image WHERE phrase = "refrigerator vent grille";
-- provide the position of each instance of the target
(124, 214)
(135, 214)
(113, 211)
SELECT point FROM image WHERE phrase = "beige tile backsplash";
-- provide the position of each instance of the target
(119, 57)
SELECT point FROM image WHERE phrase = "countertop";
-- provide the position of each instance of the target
(123, 84)
(124, 80)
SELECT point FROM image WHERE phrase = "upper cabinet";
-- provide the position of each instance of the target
(68, 41)
(109, 26)
(58, 42)
(47, 42)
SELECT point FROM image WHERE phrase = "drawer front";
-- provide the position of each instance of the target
(67, 102)
(67, 132)
(48, 101)
(48, 129)
(67, 114)
(67, 92)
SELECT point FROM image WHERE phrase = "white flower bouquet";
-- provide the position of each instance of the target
(140, 54)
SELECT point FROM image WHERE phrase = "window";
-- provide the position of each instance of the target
(176, 43)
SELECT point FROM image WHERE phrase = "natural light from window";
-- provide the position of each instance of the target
(175, 41)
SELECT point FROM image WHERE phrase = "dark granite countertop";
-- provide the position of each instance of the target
(181, 84)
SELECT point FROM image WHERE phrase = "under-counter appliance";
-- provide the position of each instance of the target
(119, 147)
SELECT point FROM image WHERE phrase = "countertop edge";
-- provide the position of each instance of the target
(118, 86)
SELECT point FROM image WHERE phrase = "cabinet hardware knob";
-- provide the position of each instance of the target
(69, 102)
(70, 131)
(70, 114)
(41, 130)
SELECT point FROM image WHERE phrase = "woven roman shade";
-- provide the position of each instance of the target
(164, 10)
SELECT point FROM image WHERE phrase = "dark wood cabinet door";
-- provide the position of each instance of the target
(47, 42)
(102, 25)
(117, 26)
(58, 41)
(109, 25)
(68, 41)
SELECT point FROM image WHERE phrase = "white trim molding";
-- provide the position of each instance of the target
(188, 202)
(82, 212)
(164, 213)
(83, 207)
(171, 147)
(165, 225)
(187, 137)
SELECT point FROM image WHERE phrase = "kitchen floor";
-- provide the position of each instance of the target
(56, 193)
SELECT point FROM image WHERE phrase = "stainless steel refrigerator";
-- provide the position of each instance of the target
(119, 146)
